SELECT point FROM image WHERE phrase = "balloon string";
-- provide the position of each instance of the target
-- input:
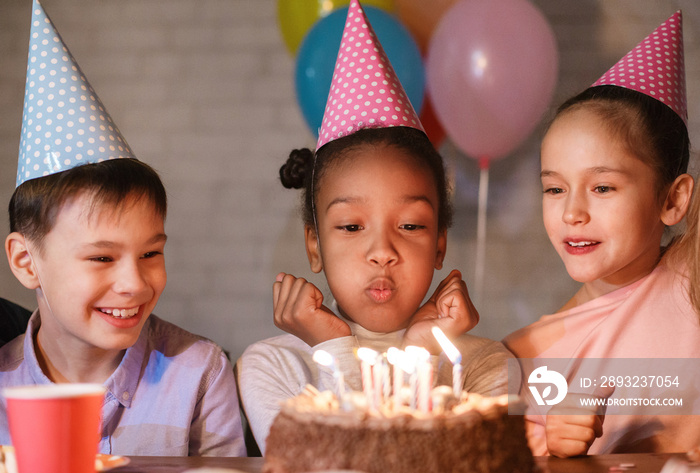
(481, 230)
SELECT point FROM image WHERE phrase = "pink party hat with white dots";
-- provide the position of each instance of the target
(64, 122)
(655, 67)
(365, 91)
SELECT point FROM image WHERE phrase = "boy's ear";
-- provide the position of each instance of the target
(313, 250)
(441, 248)
(20, 260)
(677, 200)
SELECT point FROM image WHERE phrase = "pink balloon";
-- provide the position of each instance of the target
(491, 71)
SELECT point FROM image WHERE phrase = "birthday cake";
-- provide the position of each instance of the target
(315, 431)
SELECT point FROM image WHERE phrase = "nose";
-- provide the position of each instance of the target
(576, 209)
(382, 250)
(131, 278)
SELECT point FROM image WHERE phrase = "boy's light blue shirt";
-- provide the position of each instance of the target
(173, 394)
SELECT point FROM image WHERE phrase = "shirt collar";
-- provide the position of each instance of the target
(121, 385)
(30, 358)
(123, 382)
(378, 340)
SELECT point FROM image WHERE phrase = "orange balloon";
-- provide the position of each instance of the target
(421, 17)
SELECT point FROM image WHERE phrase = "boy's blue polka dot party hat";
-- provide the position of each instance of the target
(64, 122)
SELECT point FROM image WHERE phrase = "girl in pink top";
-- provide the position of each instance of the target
(614, 163)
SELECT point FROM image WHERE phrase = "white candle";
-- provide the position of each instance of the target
(413, 387)
(424, 375)
(454, 356)
(378, 378)
(421, 377)
(324, 358)
(368, 358)
(408, 366)
(386, 377)
(395, 358)
(457, 379)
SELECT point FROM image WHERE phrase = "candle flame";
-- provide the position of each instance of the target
(323, 358)
(448, 347)
(412, 356)
(393, 355)
(367, 355)
(418, 353)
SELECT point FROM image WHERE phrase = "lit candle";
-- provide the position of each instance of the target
(368, 358)
(425, 384)
(424, 374)
(378, 375)
(324, 358)
(395, 358)
(386, 377)
(454, 356)
(421, 378)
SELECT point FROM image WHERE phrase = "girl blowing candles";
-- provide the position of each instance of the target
(376, 214)
(613, 176)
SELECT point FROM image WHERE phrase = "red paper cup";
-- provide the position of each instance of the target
(55, 428)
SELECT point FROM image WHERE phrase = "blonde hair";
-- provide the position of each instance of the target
(684, 253)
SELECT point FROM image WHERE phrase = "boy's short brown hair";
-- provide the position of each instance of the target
(36, 203)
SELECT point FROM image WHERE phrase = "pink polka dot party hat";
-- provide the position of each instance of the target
(64, 123)
(365, 91)
(655, 67)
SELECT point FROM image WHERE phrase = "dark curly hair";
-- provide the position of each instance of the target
(298, 171)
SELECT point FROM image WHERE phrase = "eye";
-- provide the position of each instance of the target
(603, 189)
(350, 228)
(101, 259)
(411, 227)
(554, 190)
(152, 254)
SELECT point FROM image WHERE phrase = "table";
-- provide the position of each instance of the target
(180, 464)
(644, 463)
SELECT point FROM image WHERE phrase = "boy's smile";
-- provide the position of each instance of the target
(121, 313)
(101, 272)
(379, 236)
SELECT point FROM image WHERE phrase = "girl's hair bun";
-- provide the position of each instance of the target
(293, 173)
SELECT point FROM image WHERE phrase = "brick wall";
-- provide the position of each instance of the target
(203, 91)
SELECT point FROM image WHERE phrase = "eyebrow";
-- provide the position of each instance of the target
(593, 170)
(407, 199)
(160, 237)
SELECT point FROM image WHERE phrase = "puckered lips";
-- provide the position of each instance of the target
(580, 246)
(381, 290)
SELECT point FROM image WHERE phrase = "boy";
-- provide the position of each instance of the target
(89, 239)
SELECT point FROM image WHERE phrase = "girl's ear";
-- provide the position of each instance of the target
(20, 260)
(677, 200)
(313, 249)
(441, 248)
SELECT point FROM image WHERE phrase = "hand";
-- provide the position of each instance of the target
(299, 310)
(448, 308)
(571, 428)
